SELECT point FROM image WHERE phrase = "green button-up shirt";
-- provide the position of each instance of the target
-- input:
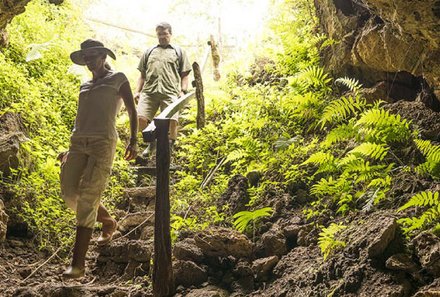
(161, 70)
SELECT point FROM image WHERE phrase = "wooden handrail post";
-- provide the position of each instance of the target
(163, 279)
(198, 83)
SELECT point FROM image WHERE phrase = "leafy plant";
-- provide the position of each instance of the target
(243, 218)
(432, 155)
(430, 202)
(327, 239)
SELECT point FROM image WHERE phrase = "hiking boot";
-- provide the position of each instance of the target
(82, 240)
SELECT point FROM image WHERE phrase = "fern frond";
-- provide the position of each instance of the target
(373, 150)
(378, 124)
(429, 150)
(422, 199)
(351, 83)
(243, 218)
(340, 133)
(341, 108)
(319, 158)
(327, 239)
(313, 76)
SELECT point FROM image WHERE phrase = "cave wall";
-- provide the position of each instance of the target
(388, 45)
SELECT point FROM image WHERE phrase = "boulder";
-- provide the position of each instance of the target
(223, 242)
(188, 250)
(209, 291)
(274, 242)
(11, 136)
(263, 267)
(236, 196)
(188, 273)
(427, 249)
(139, 199)
(384, 42)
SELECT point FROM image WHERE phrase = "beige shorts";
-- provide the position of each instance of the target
(149, 104)
(84, 176)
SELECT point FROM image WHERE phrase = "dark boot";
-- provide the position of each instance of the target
(108, 225)
(77, 268)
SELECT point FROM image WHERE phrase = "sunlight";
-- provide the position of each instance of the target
(237, 22)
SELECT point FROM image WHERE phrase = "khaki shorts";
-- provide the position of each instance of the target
(149, 104)
(84, 176)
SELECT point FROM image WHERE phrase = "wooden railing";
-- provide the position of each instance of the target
(163, 279)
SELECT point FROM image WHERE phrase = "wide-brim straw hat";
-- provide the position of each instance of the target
(77, 57)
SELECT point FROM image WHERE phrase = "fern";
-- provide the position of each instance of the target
(327, 239)
(378, 125)
(431, 215)
(351, 83)
(326, 161)
(341, 109)
(313, 77)
(422, 199)
(432, 155)
(375, 151)
(340, 133)
(243, 218)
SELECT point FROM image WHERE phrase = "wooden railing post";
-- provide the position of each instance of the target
(198, 84)
(163, 279)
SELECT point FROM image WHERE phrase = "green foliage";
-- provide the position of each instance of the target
(327, 239)
(339, 109)
(432, 155)
(243, 218)
(430, 215)
(37, 82)
(351, 83)
(378, 125)
(368, 149)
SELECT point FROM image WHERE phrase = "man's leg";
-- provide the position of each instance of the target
(146, 109)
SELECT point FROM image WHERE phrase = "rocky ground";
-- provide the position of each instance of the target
(281, 259)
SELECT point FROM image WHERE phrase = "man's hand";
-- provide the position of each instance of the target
(130, 151)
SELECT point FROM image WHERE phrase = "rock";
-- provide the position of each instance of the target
(140, 199)
(188, 250)
(427, 248)
(9, 9)
(133, 220)
(209, 291)
(263, 267)
(124, 251)
(11, 136)
(188, 273)
(304, 235)
(380, 42)
(3, 222)
(401, 262)
(423, 118)
(223, 242)
(236, 196)
(370, 235)
(274, 242)
(242, 269)
(431, 290)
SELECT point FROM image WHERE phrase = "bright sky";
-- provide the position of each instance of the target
(192, 21)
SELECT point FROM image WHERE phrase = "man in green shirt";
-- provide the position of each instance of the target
(164, 75)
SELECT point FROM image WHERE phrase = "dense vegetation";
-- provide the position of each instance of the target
(39, 83)
(285, 119)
